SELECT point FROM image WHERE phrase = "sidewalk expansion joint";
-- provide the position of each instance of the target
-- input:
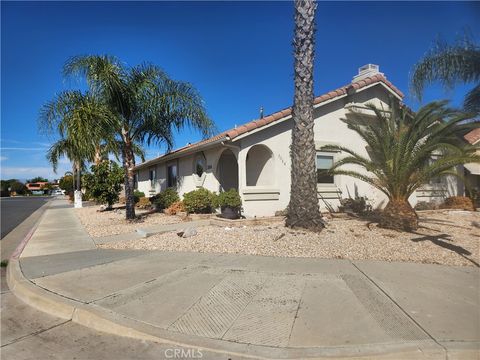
(401, 309)
(298, 309)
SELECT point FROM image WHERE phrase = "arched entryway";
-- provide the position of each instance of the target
(227, 171)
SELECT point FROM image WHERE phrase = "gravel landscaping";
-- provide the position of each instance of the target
(113, 222)
(444, 237)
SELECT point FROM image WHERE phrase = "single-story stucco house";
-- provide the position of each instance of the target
(254, 158)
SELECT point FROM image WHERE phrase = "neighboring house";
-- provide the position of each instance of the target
(472, 171)
(255, 158)
(37, 188)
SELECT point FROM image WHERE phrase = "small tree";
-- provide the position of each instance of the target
(66, 183)
(105, 182)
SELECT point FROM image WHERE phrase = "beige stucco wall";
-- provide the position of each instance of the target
(264, 200)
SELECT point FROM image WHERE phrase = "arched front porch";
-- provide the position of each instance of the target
(227, 171)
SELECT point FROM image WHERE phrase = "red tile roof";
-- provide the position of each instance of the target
(473, 136)
(255, 124)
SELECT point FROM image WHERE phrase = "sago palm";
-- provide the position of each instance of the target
(147, 106)
(405, 151)
(303, 209)
(450, 65)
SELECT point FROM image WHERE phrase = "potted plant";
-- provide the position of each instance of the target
(230, 203)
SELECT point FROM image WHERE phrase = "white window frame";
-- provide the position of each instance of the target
(333, 155)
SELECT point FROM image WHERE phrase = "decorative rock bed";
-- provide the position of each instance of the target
(444, 237)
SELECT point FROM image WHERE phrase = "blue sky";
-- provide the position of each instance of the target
(238, 55)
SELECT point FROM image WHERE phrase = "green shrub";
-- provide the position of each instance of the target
(104, 183)
(229, 198)
(165, 199)
(200, 201)
(137, 195)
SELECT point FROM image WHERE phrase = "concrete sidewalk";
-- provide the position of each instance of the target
(251, 306)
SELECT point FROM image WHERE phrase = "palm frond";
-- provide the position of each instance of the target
(448, 64)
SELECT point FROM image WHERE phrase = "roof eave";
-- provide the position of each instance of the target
(183, 152)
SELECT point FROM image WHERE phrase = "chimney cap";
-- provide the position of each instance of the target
(367, 70)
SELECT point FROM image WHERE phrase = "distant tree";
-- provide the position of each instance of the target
(66, 183)
(37, 179)
(46, 188)
(5, 186)
(451, 64)
(18, 187)
(105, 182)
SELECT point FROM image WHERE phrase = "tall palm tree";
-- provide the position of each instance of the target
(82, 122)
(83, 119)
(147, 106)
(451, 64)
(303, 209)
(405, 151)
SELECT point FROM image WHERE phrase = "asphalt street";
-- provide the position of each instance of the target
(14, 210)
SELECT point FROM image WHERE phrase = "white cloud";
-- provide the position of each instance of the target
(3, 158)
(22, 173)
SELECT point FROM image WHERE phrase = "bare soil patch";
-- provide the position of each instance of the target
(444, 237)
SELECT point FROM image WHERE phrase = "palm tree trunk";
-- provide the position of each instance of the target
(399, 215)
(129, 164)
(98, 158)
(303, 210)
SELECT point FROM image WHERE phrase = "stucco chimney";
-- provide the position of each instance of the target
(367, 71)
